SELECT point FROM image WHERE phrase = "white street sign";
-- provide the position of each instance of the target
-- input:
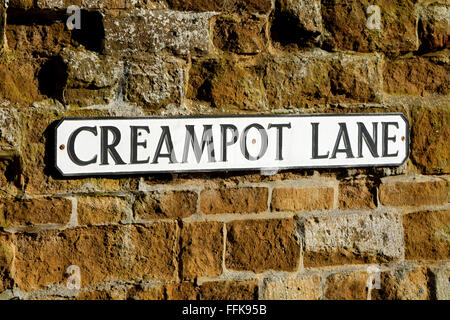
(126, 146)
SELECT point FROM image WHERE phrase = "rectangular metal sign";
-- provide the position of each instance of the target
(109, 146)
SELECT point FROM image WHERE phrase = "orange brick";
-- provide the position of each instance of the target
(229, 290)
(98, 210)
(426, 235)
(201, 249)
(410, 193)
(260, 245)
(234, 200)
(171, 205)
(20, 212)
(305, 199)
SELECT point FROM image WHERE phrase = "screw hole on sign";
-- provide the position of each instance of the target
(254, 141)
(62, 147)
(403, 138)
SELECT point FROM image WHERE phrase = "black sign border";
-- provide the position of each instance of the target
(148, 173)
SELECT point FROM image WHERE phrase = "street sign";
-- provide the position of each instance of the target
(149, 145)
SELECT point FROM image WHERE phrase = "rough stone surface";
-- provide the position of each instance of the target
(357, 194)
(251, 6)
(229, 290)
(173, 204)
(416, 76)
(155, 83)
(181, 291)
(442, 284)
(2, 25)
(300, 288)
(403, 284)
(91, 79)
(262, 245)
(243, 36)
(303, 79)
(9, 130)
(227, 85)
(21, 212)
(102, 253)
(351, 239)
(434, 27)
(346, 23)
(101, 210)
(427, 235)
(147, 31)
(306, 199)
(429, 138)
(239, 200)
(395, 192)
(6, 261)
(346, 286)
(302, 18)
(201, 249)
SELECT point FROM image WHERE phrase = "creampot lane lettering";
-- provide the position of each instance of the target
(102, 146)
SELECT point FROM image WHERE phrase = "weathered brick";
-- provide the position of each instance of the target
(351, 239)
(403, 284)
(260, 245)
(63, 4)
(22, 4)
(171, 204)
(103, 294)
(90, 79)
(9, 176)
(240, 35)
(299, 288)
(441, 283)
(103, 209)
(18, 83)
(155, 82)
(296, 23)
(434, 27)
(304, 199)
(43, 39)
(409, 193)
(227, 85)
(426, 235)
(42, 259)
(196, 5)
(233, 200)
(2, 25)
(346, 22)
(146, 293)
(102, 253)
(181, 291)
(152, 253)
(251, 6)
(201, 249)
(9, 130)
(315, 77)
(229, 290)
(347, 286)
(6, 262)
(430, 134)
(416, 76)
(21, 212)
(357, 194)
(148, 31)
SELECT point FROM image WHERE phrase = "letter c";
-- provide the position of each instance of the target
(71, 146)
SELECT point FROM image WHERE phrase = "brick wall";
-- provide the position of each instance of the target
(303, 234)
